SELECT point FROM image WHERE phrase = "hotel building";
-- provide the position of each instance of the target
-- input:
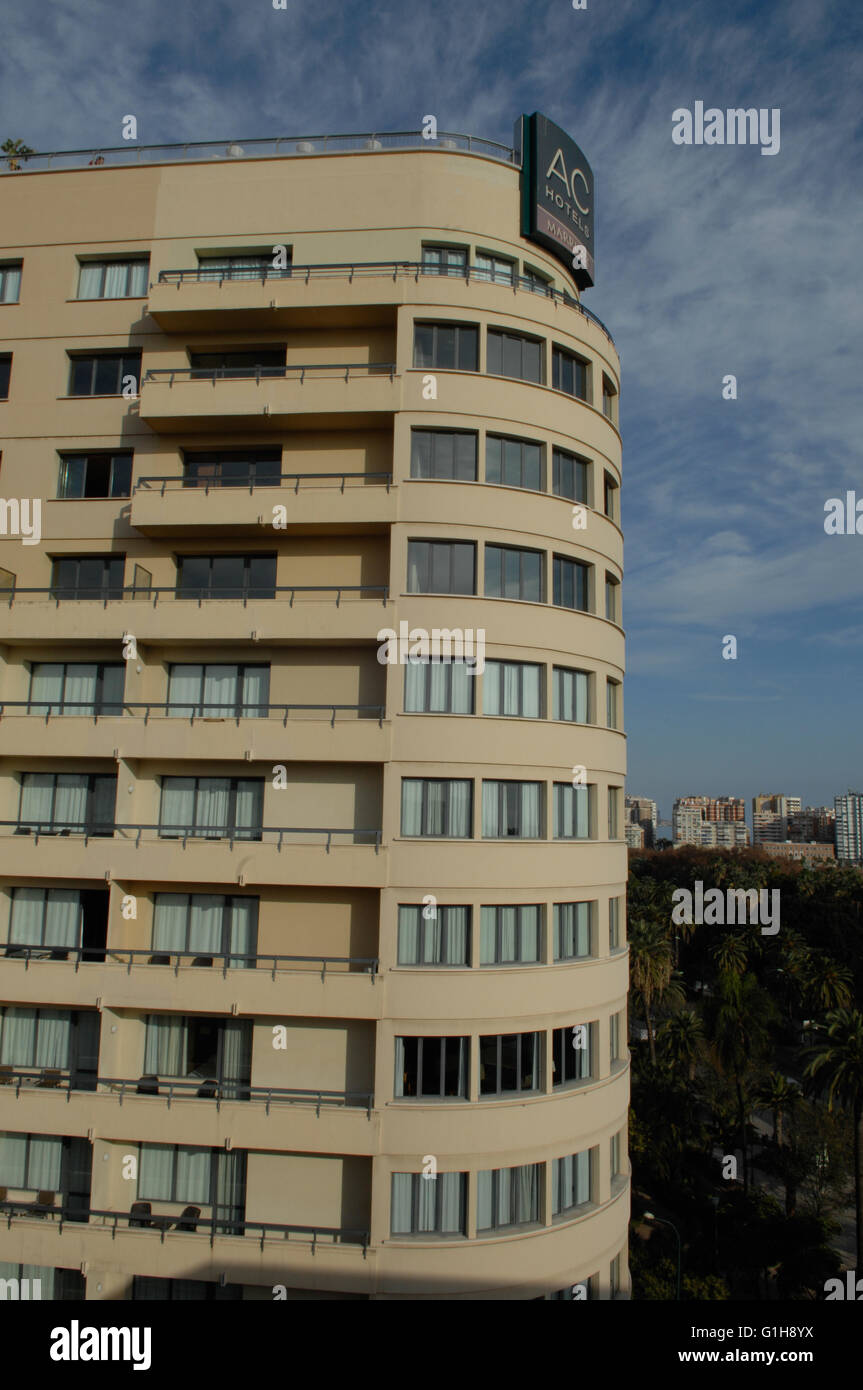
(314, 965)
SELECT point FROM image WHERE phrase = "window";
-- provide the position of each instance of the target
(570, 1182)
(615, 1028)
(427, 1067)
(441, 567)
(235, 363)
(122, 279)
(174, 1173)
(49, 917)
(571, 695)
(212, 807)
(509, 1062)
(513, 462)
(569, 373)
(95, 475)
(200, 1049)
(508, 1197)
(205, 924)
(615, 795)
(610, 496)
(512, 810)
(218, 691)
(88, 576)
(31, 1162)
(617, 1155)
(440, 938)
(497, 268)
(511, 935)
(609, 399)
(445, 454)
(572, 931)
(233, 468)
(76, 687)
(512, 688)
(103, 373)
(5, 374)
(513, 573)
(615, 913)
(10, 281)
(510, 354)
(35, 1037)
(439, 807)
(612, 704)
(226, 576)
(147, 1289)
(444, 260)
(536, 282)
(66, 803)
(615, 1275)
(439, 687)
(569, 476)
(423, 1205)
(571, 583)
(612, 598)
(449, 346)
(572, 1054)
(58, 1285)
(571, 811)
(242, 267)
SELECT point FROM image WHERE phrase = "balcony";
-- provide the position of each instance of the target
(157, 730)
(306, 612)
(162, 506)
(192, 854)
(352, 395)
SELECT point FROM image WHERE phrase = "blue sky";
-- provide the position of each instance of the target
(710, 260)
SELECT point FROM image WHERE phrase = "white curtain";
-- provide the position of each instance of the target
(491, 810)
(37, 791)
(488, 936)
(236, 1056)
(43, 1173)
(572, 930)
(79, 692)
(438, 682)
(205, 931)
(485, 1200)
(212, 806)
(400, 1067)
(169, 922)
(571, 696)
(451, 1202)
(138, 278)
(415, 687)
(178, 802)
(70, 801)
(90, 280)
(243, 931)
(63, 917)
(571, 806)
(436, 799)
(250, 801)
(220, 690)
(508, 918)
(256, 691)
(459, 820)
(402, 1202)
(412, 792)
(193, 1175)
(530, 810)
(491, 682)
(165, 1049)
(25, 927)
(531, 677)
(116, 274)
(230, 1190)
(511, 687)
(18, 1037)
(462, 688)
(409, 928)
(526, 1192)
(53, 1038)
(426, 1202)
(529, 943)
(432, 932)
(11, 285)
(155, 1172)
(456, 935)
(184, 690)
(13, 1160)
(46, 687)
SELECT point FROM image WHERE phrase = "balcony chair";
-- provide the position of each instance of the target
(148, 1086)
(140, 1213)
(188, 1220)
(44, 1203)
(51, 1076)
(6, 1077)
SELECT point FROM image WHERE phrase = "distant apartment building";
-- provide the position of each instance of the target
(724, 835)
(811, 853)
(641, 811)
(692, 813)
(849, 827)
(814, 824)
(770, 816)
(635, 835)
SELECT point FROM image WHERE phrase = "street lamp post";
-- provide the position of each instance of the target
(649, 1216)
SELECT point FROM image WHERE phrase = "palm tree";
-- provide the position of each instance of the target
(730, 954)
(682, 1040)
(780, 1096)
(838, 1059)
(15, 150)
(651, 967)
(739, 1015)
(826, 985)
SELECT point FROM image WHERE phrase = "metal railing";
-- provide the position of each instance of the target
(209, 1088)
(215, 1226)
(244, 834)
(172, 481)
(259, 374)
(393, 270)
(120, 594)
(47, 709)
(128, 956)
(281, 147)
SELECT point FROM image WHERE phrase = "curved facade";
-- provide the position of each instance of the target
(315, 969)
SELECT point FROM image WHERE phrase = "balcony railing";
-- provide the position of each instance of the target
(223, 1226)
(243, 834)
(121, 594)
(170, 482)
(285, 147)
(392, 270)
(259, 374)
(174, 1088)
(46, 709)
(357, 965)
